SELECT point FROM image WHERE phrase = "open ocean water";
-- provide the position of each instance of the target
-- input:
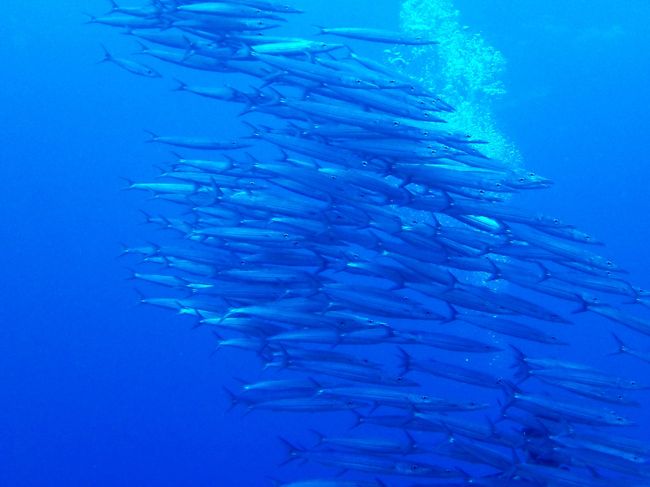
(96, 390)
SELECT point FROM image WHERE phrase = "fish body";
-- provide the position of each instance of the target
(507, 327)
(548, 407)
(128, 21)
(131, 66)
(227, 10)
(377, 35)
(198, 142)
(449, 371)
(295, 47)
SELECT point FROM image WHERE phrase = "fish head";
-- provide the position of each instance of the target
(288, 9)
(530, 180)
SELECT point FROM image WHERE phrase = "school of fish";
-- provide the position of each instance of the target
(359, 249)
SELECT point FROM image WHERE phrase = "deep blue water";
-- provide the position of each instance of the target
(98, 391)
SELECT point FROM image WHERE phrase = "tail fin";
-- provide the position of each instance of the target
(179, 159)
(622, 348)
(359, 419)
(254, 129)
(190, 50)
(321, 30)
(293, 452)
(181, 86)
(519, 355)
(523, 369)
(412, 443)
(147, 217)
(219, 341)
(406, 361)
(91, 18)
(243, 382)
(142, 299)
(546, 273)
(132, 276)
(585, 302)
(143, 48)
(453, 312)
(495, 273)
(114, 6)
(317, 386)
(153, 136)
(108, 57)
(509, 388)
(234, 400)
(125, 250)
(320, 436)
(129, 183)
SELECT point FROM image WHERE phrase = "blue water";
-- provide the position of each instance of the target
(95, 390)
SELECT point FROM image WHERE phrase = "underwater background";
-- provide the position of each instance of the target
(99, 391)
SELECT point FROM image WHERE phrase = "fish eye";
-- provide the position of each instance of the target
(285, 235)
(358, 81)
(414, 467)
(395, 123)
(425, 398)
(521, 180)
(532, 174)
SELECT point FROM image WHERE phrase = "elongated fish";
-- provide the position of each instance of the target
(131, 66)
(377, 35)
